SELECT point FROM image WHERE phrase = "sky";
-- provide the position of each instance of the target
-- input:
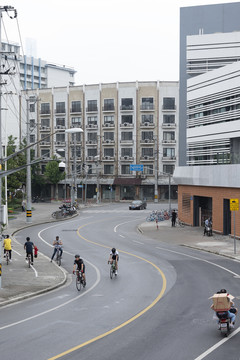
(103, 40)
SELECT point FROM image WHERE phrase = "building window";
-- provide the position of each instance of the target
(108, 135)
(45, 138)
(168, 119)
(168, 135)
(92, 105)
(126, 135)
(147, 152)
(147, 103)
(148, 170)
(60, 122)
(109, 152)
(32, 138)
(60, 108)
(108, 169)
(76, 106)
(169, 169)
(92, 152)
(147, 118)
(169, 103)
(45, 122)
(109, 119)
(78, 137)
(168, 152)
(45, 108)
(92, 120)
(32, 123)
(45, 153)
(125, 169)
(76, 121)
(32, 108)
(60, 137)
(78, 151)
(126, 152)
(147, 135)
(108, 105)
(126, 104)
(92, 136)
(127, 119)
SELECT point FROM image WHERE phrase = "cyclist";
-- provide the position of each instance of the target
(7, 244)
(79, 264)
(28, 246)
(114, 256)
(57, 245)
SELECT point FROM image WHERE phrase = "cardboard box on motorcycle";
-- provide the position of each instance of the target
(222, 302)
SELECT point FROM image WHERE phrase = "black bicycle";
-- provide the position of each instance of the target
(58, 257)
(79, 280)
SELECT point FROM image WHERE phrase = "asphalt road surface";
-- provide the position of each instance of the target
(156, 308)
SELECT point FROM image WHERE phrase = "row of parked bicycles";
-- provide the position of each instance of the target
(65, 210)
(161, 215)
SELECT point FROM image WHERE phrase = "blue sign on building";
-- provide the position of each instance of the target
(136, 167)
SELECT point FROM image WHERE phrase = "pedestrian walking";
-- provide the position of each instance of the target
(174, 216)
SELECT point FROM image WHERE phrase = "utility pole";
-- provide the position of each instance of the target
(28, 182)
(5, 72)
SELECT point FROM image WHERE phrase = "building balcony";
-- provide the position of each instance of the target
(147, 158)
(75, 111)
(126, 107)
(108, 142)
(126, 125)
(172, 142)
(73, 126)
(147, 124)
(169, 125)
(108, 125)
(169, 158)
(91, 126)
(60, 143)
(147, 107)
(91, 142)
(91, 109)
(168, 109)
(108, 108)
(126, 142)
(60, 112)
(147, 141)
(60, 127)
(45, 112)
(126, 158)
(108, 158)
(44, 128)
(45, 143)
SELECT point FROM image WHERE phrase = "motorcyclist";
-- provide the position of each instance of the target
(231, 313)
(208, 224)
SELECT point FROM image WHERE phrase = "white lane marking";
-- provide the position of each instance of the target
(35, 271)
(59, 306)
(196, 258)
(16, 252)
(122, 236)
(115, 228)
(214, 347)
(138, 242)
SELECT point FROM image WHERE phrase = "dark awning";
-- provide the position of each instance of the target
(127, 181)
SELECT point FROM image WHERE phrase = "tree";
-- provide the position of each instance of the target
(53, 174)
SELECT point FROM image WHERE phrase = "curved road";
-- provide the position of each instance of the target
(156, 308)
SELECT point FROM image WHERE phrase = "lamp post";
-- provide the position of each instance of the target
(74, 131)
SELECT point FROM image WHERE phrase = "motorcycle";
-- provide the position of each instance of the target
(224, 322)
(208, 230)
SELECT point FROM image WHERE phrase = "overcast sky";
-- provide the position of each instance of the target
(103, 40)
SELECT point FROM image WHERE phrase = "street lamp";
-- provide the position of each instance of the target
(74, 131)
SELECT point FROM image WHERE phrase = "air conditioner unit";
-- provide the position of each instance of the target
(125, 124)
(107, 124)
(146, 123)
(90, 125)
(146, 157)
(90, 141)
(43, 128)
(146, 140)
(107, 157)
(58, 143)
(126, 157)
(108, 141)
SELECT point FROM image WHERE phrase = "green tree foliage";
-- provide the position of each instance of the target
(16, 180)
(52, 172)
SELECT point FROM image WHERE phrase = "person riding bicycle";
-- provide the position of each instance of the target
(7, 244)
(80, 266)
(28, 246)
(57, 245)
(114, 256)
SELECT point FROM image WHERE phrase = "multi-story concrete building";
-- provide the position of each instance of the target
(26, 73)
(124, 124)
(212, 118)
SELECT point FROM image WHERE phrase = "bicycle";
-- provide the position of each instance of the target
(29, 260)
(113, 269)
(79, 280)
(179, 222)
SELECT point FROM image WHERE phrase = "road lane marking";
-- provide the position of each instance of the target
(155, 301)
(138, 242)
(126, 222)
(16, 252)
(214, 347)
(196, 258)
(122, 236)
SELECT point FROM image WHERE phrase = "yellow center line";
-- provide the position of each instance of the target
(160, 295)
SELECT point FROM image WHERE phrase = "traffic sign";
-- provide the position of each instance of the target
(134, 167)
(234, 204)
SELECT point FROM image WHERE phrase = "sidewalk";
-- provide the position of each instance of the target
(18, 281)
(191, 237)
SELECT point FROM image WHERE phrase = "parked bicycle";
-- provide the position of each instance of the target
(79, 280)
(179, 222)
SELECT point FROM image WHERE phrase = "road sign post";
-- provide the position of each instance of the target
(234, 206)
